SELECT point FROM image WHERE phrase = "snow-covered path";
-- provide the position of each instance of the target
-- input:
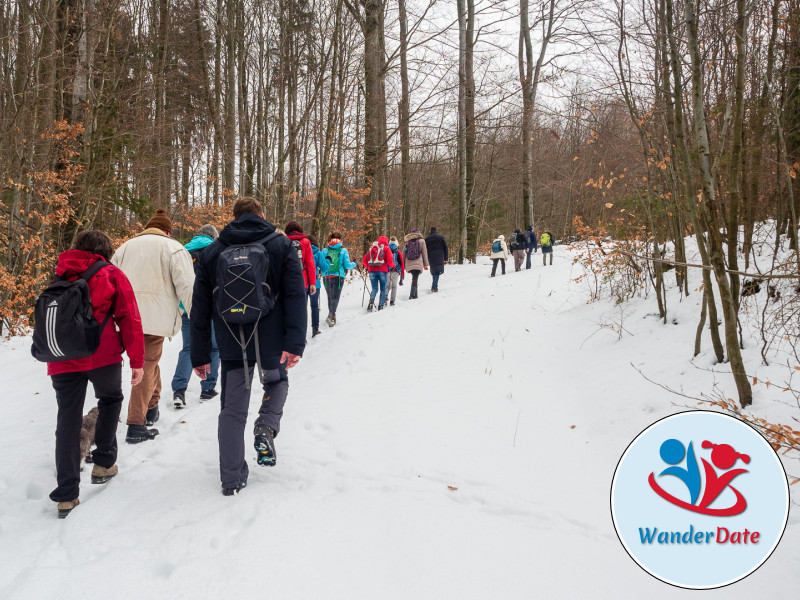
(457, 446)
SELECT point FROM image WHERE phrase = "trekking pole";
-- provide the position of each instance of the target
(364, 277)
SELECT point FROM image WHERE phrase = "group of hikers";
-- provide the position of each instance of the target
(522, 245)
(238, 298)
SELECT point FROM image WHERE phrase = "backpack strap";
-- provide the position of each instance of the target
(92, 271)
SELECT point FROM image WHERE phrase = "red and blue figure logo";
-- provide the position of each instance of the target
(723, 457)
(699, 499)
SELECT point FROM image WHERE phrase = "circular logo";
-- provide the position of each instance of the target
(699, 499)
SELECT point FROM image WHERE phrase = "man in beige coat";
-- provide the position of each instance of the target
(161, 274)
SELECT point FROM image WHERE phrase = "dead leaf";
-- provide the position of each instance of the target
(572, 426)
(452, 488)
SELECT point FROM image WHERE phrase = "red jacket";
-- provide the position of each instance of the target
(387, 254)
(108, 283)
(309, 268)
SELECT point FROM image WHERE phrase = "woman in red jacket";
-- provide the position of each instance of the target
(109, 290)
(378, 262)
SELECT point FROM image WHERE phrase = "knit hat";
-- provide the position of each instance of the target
(530, 227)
(160, 221)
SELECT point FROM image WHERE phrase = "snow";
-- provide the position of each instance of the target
(457, 446)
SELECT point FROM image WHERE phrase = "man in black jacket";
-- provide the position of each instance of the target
(281, 338)
(437, 255)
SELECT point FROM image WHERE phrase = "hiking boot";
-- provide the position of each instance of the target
(102, 475)
(140, 433)
(178, 400)
(334, 320)
(329, 320)
(233, 490)
(315, 333)
(64, 508)
(152, 415)
(391, 303)
(208, 394)
(381, 306)
(371, 305)
(265, 446)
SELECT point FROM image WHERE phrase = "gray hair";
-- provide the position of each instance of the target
(209, 230)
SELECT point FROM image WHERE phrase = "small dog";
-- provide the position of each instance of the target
(87, 433)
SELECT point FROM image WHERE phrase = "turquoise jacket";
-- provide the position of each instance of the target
(198, 242)
(345, 264)
(321, 263)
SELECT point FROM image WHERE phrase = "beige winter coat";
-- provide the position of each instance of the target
(504, 252)
(420, 263)
(161, 273)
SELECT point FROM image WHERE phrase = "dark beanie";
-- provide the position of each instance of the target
(530, 227)
(160, 221)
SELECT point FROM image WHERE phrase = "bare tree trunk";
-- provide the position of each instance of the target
(405, 142)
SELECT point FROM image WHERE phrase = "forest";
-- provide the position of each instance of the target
(643, 121)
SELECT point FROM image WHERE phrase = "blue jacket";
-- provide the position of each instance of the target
(345, 264)
(533, 244)
(284, 328)
(321, 263)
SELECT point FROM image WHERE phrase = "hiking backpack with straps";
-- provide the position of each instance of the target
(497, 247)
(334, 256)
(545, 239)
(243, 296)
(64, 326)
(377, 255)
(413, 249)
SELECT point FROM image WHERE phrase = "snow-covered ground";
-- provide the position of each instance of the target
(457, 446)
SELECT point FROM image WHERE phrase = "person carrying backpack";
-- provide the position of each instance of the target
(437, 255)
(415, 258)
(250, 283)
(305, 255)
(321, 267)
(398, 273)
(499, 253)
(162, 275)
(378, 262)
(518, 246)
(183, 370)
(530, 236)
(84, 273)
(339, 264)
(546, 242)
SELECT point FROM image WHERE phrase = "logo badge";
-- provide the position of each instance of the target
(699, 500)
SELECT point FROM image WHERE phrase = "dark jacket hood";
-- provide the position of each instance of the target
(434, 230)
(246, 229)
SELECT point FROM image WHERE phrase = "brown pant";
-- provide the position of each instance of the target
(147, 394)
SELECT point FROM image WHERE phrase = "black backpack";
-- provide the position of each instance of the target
(64, 326)
(243, 296)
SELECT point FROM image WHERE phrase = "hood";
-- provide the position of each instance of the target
(335, 246)
(393, 245)
(296, 235)
(517, 231)
(434, 230)
(152, 231)
(529, 228)
(199, 242)
(501, 237)
(74, 262)
(414, 235)
(383, 240)
(246, 229)
(314, 248)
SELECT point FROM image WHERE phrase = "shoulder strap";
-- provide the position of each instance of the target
(92, 271)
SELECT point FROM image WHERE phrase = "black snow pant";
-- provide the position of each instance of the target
(502, 262)
(414, 281)
(528, 259)
(70, 394)
(333, 289)
(235, 402)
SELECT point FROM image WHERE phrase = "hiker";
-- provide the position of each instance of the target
(161, 273)
(183, 370)
(533, 245)
(112, 303)
(398, 273)
(321, 267)
(378, 262)
(339, 264)
(499, 253)
(546, 242)
(518, 246)
(304, 254)
(437, 255)
(259, 313)
(415, 258)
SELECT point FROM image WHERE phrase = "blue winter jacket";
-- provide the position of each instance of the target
(533, 244)
(321, 263)
(345, 264)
